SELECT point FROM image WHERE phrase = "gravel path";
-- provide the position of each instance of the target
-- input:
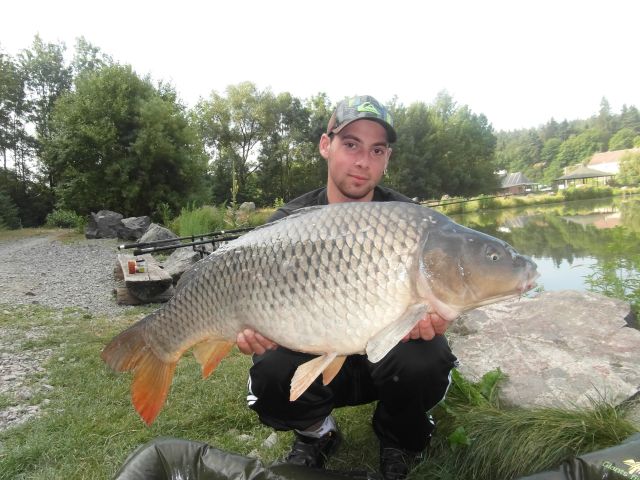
(43, 270)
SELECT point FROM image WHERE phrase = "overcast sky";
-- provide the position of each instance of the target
(520, 62)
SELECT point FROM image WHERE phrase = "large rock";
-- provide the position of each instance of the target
(180, 261)
(156, 233)
(104, 224)
(133, 228)
(559, 349)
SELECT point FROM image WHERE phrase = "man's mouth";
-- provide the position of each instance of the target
(358, 178)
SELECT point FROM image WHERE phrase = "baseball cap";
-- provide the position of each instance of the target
(359, 107)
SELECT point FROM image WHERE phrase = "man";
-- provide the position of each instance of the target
(409, 381)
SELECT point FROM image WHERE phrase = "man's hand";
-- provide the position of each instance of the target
(427, 328)
(250, 342)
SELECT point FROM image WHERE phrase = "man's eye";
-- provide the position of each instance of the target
(350, 145)
(379, 151)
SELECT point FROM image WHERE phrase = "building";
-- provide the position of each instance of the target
(583, 176)
(609, 161)
(516, 184)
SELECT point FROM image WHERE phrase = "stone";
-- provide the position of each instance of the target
(104, 224)
(247, 207)
(156, 233)
(179, 262)
(559, 349)
(133, 228)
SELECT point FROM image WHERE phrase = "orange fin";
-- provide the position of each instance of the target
(210, 353)
(152, 375)
(332, 370)
(306, 373)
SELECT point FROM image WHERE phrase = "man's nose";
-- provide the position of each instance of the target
(362, 159)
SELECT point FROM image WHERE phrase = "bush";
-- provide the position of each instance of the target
(8, 213)
(65, 219)
(587, 192)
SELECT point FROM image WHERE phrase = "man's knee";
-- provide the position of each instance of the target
(417, 361)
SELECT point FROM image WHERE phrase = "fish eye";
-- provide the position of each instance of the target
(492, 255)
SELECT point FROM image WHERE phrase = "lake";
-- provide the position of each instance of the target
(587, 245)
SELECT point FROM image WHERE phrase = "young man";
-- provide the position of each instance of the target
(409, 381)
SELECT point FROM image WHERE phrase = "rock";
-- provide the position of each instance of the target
(270, 441)
(156, 233)
(179, 262)
(559, 349)
(104, 224)
(133, 228)
(247, 207)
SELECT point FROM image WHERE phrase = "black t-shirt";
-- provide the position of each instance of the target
(319, 197)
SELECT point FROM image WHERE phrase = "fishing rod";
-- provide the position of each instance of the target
(196, 239)
(188, 237)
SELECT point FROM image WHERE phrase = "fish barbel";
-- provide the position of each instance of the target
(334, 280)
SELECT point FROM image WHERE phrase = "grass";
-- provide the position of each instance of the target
(88, 426)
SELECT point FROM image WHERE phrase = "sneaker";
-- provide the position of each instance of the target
(313, 451)
(396, 463)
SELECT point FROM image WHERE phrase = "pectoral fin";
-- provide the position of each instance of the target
(387, 338)
(210, 352)
(307, 372)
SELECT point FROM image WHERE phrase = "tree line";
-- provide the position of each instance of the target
(93, 134)
(542, 153)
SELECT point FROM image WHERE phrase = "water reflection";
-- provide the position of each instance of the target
(583, 245)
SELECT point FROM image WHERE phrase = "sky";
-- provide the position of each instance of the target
(518, 62)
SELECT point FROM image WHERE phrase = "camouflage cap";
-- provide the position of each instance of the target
(359, 107)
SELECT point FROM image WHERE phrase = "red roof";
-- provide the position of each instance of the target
(610, 157)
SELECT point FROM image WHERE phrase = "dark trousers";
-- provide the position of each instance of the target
(410, 380)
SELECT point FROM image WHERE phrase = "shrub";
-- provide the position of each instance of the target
(8, 213)
(65, 219)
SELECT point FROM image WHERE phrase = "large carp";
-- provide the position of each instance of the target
(333, 281)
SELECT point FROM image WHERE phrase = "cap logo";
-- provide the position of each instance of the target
(368, 107)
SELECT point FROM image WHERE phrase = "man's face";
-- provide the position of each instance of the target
(356, 159)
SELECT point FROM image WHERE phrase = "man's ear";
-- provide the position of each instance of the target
(324, 145)
(386, 163)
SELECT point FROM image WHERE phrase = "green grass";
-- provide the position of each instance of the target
(209, 218)
(88, 427)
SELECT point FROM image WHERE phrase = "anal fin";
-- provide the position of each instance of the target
(332, 370)
(210, 353)
(306, 373)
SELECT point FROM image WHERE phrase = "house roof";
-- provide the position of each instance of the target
(610, 157)
(584, 172)
(515, 179)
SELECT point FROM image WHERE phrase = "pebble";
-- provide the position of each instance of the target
(41, 270)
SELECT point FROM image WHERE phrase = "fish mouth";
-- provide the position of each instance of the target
(530, 282)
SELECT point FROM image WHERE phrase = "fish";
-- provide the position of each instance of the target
(334, 280)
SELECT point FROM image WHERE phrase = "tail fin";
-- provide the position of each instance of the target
(151, 375)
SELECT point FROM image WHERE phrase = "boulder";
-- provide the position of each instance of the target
(133, 228)
(104, 224)
(180, 261)
(247, 207)
(156, 233)
(558, 349)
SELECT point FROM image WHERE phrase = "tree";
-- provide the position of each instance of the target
(118, 143)
(233, 128)
(622, 139)
(46, 78)
(630, 169)
(88, 58)
(12, 106)
(442, 148)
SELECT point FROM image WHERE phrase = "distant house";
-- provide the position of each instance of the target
(609, 161)
(516, 184)
(584, 175)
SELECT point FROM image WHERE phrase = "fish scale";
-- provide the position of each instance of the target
(335, 280)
